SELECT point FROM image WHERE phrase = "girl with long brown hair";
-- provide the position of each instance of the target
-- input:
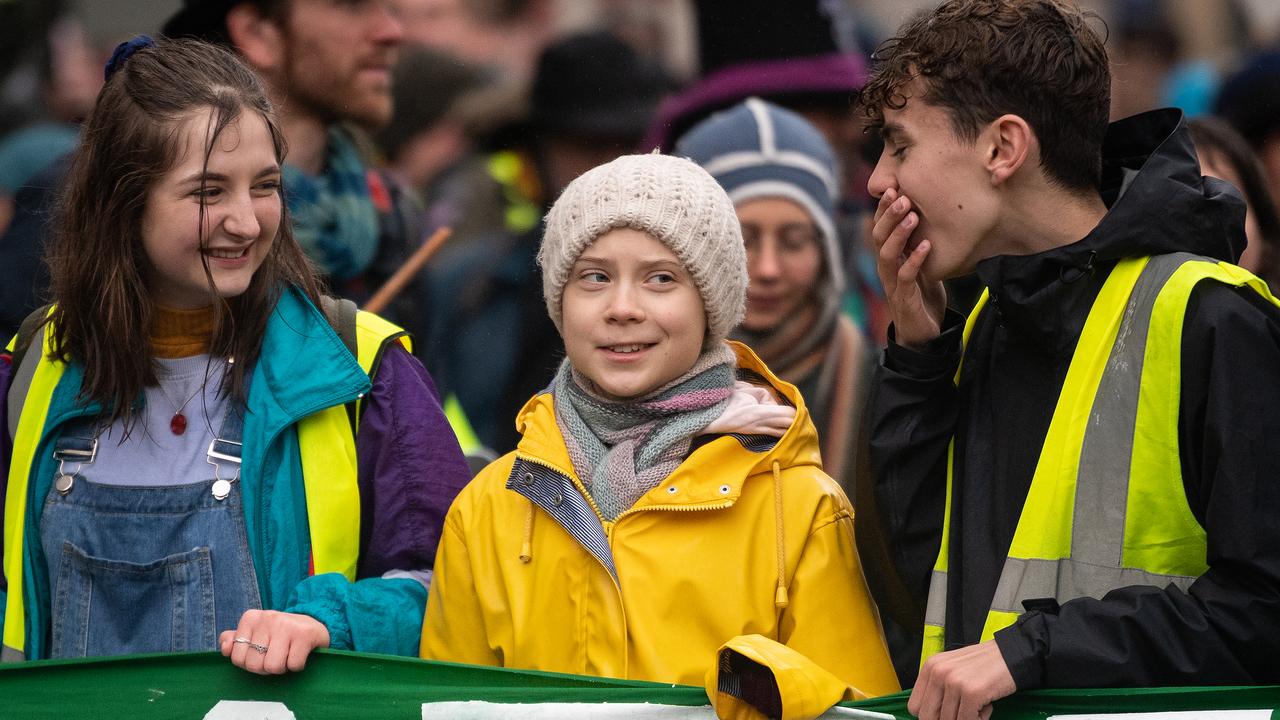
(184, 467)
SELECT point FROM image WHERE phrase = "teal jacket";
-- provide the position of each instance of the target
(304, 367)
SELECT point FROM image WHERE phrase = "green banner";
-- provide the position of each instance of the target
(353, 685)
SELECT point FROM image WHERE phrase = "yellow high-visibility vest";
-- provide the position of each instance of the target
(1106, 508)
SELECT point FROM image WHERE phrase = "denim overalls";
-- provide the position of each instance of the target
(137, 569)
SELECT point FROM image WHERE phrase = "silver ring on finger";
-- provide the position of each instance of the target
(261, 648)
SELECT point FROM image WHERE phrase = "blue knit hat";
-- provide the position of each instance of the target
(756, 150)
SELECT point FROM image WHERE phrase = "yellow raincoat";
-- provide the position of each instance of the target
(735, 541)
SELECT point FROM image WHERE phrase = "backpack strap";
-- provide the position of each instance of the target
(341, 314)
(24, 363)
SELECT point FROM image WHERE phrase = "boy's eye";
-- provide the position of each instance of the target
(662, 278)
(594, 276)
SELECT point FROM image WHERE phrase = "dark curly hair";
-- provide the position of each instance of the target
(980, 59)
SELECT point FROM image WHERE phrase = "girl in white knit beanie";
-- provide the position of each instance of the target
(667, 494)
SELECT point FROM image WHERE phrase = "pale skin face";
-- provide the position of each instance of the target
(242, 208)
(633, 320)
(947, 182)
(784, 260)
(921, 155)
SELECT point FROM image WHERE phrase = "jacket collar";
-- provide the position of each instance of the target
(542, 443)
(303, 367)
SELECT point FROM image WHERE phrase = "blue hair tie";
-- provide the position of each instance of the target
(124, 51)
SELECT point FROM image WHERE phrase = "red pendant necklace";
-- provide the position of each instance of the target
(178, 423)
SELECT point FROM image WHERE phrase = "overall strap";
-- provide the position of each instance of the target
(226, 450)
(78, 444)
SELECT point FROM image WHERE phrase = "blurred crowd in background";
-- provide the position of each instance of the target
(497, 104)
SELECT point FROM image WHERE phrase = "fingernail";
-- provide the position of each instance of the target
(909, 220)
(900, 204)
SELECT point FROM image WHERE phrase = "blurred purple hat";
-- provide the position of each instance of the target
(793, 53)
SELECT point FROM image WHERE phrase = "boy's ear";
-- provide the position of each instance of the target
(257, 37)
(1010, 143)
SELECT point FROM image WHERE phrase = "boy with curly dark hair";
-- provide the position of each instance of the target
(1076, 477)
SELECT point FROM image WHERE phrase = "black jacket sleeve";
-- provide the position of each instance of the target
(1226, 628)
(912, 417)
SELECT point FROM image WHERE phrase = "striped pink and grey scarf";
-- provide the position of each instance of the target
(623, 449)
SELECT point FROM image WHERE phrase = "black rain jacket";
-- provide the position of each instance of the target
(1226, 628)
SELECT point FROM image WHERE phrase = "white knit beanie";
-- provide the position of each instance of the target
(673, 200)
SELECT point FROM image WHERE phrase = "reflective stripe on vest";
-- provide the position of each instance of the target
(1106, 507)
(329, 472)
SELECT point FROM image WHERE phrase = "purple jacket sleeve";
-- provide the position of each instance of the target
(411, 468)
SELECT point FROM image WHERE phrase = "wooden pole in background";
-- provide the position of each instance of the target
(392, 287)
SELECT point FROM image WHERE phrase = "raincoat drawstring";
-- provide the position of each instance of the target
(526, 547)
(780, 600)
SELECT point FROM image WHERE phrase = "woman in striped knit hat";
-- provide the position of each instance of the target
(782, 177)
